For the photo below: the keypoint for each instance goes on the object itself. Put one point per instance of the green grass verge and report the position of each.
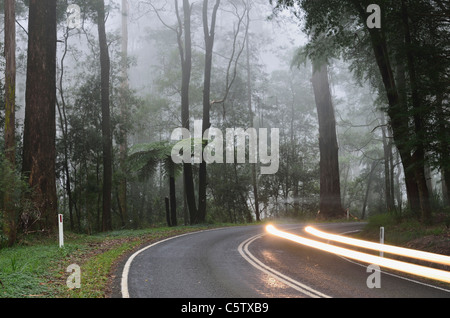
(37, 267)
(401, 230)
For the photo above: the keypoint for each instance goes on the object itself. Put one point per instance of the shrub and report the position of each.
(13, 184)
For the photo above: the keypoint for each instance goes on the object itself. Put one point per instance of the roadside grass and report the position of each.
(36, 268)
(24, 270)
(95, 273)
(407, 231)
(403, 230)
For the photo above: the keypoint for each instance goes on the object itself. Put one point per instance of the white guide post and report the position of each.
(61, 230)
(381, 239)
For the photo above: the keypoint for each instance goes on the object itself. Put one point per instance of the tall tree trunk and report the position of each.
(40, 113)
(250, 110)
(330, 192)
(443, 147)
(10, 228)
(172, 196)
(392, 169)
(444, 189)
(387, 166)
(398, 191)
(123, 130)
(10, 82)
(209, 36)
(105, 65)
(167, 205)
(401, 133)
(398, 113)
(64, 128)
(444, 150)
(185, 50)
(419, 127)
(369, 183)
(76, 178)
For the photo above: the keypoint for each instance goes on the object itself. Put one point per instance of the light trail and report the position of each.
(417, 270)
(249, 257)
(426, 256)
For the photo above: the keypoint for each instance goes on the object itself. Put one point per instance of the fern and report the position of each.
(144, 159)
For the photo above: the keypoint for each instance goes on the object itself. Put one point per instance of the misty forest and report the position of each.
(92, 92)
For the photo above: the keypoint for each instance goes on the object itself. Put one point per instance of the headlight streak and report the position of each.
(249, 257)
(425, 256)
(413, 269)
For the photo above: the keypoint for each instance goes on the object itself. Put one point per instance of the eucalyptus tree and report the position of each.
(182, 30)
(123, 109)
(400, 49)
(210, 96)
(209, 33)
(39, 137)
(361, 129)
(290, 95)
(10, 227)
(330, 205)
(85, 68)
(105, 70)
(185, 51)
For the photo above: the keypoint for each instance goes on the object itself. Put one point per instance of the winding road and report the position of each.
(246, 262)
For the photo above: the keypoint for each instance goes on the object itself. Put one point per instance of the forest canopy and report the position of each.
(94, 89)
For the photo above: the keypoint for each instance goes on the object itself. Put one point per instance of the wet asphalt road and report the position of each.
(245, 262)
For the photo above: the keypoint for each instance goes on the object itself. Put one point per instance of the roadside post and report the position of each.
(61, 230)
(381, 239)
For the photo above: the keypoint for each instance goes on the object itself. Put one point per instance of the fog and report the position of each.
(254, 83)
(279, 36)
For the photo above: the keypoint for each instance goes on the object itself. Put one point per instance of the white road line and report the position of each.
(245, 253)
(392, 274)
(388, 273)
(304, 289)
(126, 269)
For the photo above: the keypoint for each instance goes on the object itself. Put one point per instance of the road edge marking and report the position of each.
(126, 269)
(250, 258)
(412, 280)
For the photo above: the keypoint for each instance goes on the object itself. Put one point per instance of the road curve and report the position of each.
(245, 262)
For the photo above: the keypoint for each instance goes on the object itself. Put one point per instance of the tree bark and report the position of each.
(209, 36)
(167, 205)
(388, 177)
(10, 115)
(330, 193)
(250, 110)
(64, 128)
(444, 189)
(185, 50)
(172, 195)
(398, 114)
(401, 133)
(40, 113)
(105, 65)
(123, 130)
(369, 183)
(10, 82)
(419, 153)
(444, 156)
